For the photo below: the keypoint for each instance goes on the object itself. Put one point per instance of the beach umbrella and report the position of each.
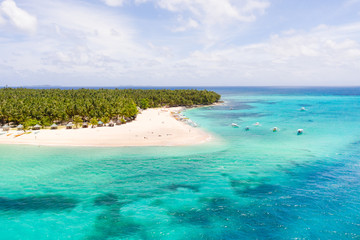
(69, 125)
(20, 127)
(36, 127)
(6, 127)
(54, 126)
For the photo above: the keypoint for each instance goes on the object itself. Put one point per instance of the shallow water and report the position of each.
(255, 184)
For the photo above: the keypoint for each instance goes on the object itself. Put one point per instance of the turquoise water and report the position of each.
(253, 184)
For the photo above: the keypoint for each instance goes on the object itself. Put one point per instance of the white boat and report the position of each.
(275, 129)
(302, 109)
(300, 131)
(234, 125)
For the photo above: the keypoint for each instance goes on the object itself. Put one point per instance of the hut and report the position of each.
(69, 125)
(6, 127)
(85, 125)
(20, 127)
(54, 127)
(100, 124)
(111, 124)
(36, 127)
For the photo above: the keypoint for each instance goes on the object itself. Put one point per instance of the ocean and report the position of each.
(245, 184)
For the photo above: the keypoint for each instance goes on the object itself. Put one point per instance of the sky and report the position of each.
(180, 42)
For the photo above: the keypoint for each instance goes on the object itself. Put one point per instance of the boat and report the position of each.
(275, 129)
(300, 131)
(302, 109)
(234, 125)
(18, 135)
(257, 124)
(247, 129)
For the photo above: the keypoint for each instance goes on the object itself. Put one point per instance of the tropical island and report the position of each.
(155, 112)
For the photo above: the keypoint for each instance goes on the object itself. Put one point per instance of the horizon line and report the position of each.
(183, 86)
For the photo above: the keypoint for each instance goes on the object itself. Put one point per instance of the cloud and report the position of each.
(18, 17)
(2, 20)
(186, 24)
(214, 21)
(326, 55)
(87, 44)
(114, 3)
(207, 12)
(75, 39)
(350, 3)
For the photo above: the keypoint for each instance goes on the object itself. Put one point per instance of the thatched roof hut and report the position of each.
(54, 126)
(100, 124)
(36, 127)
(85, 125)
(6, 127)
(111, 124)
(20, 127)
(69, 125)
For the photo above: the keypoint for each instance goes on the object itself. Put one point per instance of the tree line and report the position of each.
(47, 106)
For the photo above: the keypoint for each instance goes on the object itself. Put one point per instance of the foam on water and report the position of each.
(255, 184)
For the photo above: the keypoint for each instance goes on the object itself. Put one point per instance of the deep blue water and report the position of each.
(255, 184)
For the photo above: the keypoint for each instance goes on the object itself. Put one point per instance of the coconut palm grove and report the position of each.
(46, 106)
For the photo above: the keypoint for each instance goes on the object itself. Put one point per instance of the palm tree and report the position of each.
(93, 122)
(77, 120)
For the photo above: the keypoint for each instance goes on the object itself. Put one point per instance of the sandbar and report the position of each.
(152, 127)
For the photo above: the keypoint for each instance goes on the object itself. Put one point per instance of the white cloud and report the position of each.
(213, 12)
(2, 20)
(17, 16)
(84, 44)
(79, 40)
(114, 3)
(189, 24)
(323, 56)
(207, 12)
(350, 3)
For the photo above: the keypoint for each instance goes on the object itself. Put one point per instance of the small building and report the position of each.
(100, 124)
(111, 124)
(69, 125)
(20, 127)
(85, 125)
(6, 127)
(36, 127)
(54, 127)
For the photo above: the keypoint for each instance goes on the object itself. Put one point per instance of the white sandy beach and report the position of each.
(152, 127)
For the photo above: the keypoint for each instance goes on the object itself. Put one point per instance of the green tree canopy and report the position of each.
(46, 106)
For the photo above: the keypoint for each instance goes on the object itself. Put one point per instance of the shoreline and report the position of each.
(152, 127)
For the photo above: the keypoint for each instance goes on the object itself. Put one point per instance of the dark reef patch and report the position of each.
(110, 224)
(106, 200)
(37, 203)
(253, 187)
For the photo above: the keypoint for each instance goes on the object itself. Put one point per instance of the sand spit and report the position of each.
(152, 127)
